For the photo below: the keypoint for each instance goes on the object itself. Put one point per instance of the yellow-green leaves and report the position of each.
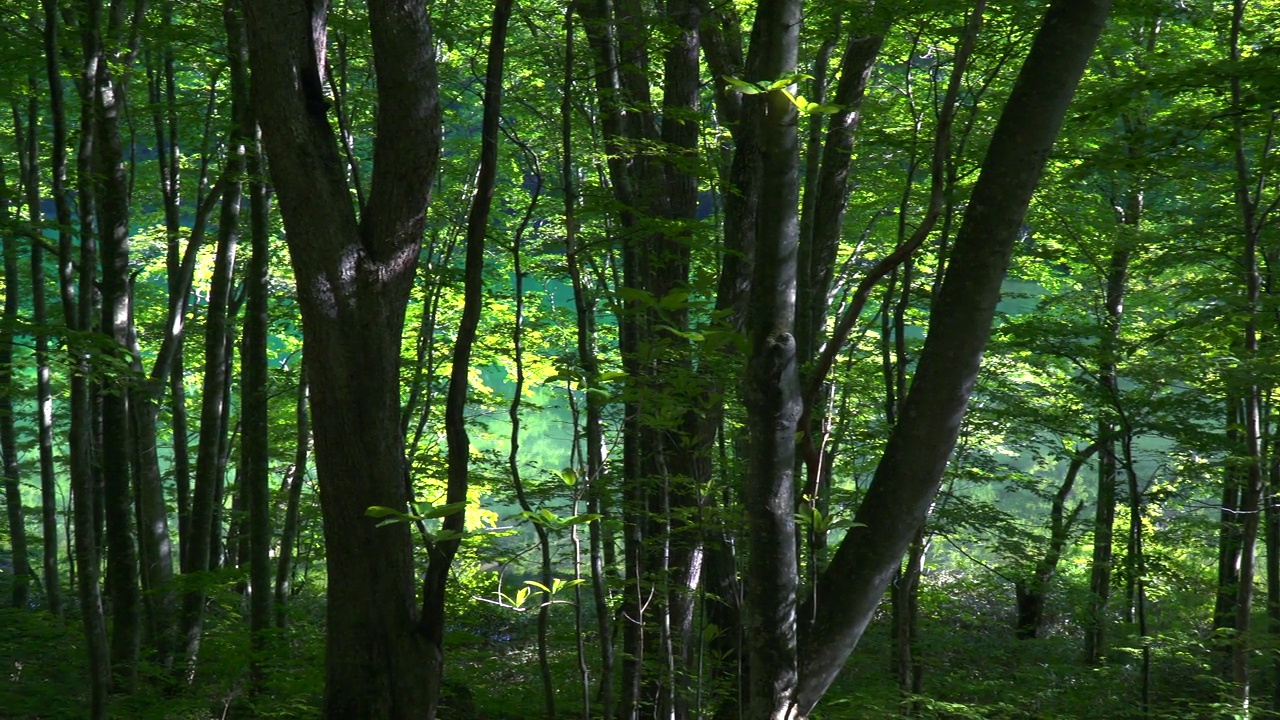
(802, 104)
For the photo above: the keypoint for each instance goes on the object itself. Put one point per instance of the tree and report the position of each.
(910, 471)
(354, 268)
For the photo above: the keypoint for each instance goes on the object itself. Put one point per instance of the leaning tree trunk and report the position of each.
(910, 470)
(354, 277)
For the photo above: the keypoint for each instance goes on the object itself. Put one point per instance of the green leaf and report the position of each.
(674, 300)
(690, 336)
(741, 86)
(570, 476)
(440, 511)
(538, 585)
(557, 585)
(583, 518)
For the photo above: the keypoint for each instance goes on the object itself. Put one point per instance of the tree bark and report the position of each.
(112, 206)
(254, 462)
(354, 278)
(584, 304)
(1098, 618)
(771, 389)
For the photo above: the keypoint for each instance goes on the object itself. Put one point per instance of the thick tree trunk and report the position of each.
(113, 222)
(910, 471)
(354, 278)
(771, 390)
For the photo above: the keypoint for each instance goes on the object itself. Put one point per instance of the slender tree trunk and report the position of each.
(66, 275)
(513, 467)
(293, 506)
(29, 156)
(1229, 526)
(585, 315)
(1272, 519)
(459, 444)
(215, 398)
(8, 434)
(1032, 594)
(76, 293)
(253, 466)
(1248, 201)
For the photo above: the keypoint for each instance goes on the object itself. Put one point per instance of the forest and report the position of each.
(679, 359)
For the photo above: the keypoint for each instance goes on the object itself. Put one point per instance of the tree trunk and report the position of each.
(62, 214)
(112, 205)
(297, 477)
(8, 435)
(29, 155)
(77, 306)
(205, 501)
(1098, 619)
(1252, 220)
(585, 316)
(771, 389)
(253, 466)
(910, 470)
(354, 278)
(1032, 594)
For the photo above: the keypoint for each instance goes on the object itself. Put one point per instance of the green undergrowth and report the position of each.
(972, 668)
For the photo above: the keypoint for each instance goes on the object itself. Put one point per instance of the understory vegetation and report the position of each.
(632, 359)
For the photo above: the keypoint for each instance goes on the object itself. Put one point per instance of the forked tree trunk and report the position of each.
(354, 277)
